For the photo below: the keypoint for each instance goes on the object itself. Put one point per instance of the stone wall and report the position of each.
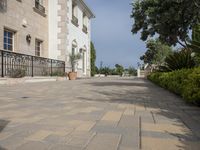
(15, 16)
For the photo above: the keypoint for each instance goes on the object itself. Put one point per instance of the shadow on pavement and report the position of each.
(3, 124)
(146, 94)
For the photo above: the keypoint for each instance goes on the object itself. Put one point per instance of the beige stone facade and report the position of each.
(23, 18)
(49, 23)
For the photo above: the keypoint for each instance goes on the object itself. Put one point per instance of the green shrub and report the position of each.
(179, 60)
(17, 73)
(184, 82)
(58, 73)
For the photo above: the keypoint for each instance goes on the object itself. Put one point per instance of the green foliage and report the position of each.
(119, 69)
(132, 71)
(58, 73)
(17, 73)
(97, 70)
(73, 60)
(195, 43)
(179, 60)
(185, 82)
(105, 70)
(171, 20)
(93, 59)
(156, 52)
(197, 59)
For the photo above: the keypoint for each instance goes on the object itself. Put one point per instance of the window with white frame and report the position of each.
(74, 47)
(75, 14)
(85, 23)
(38, 47)
(8, 40)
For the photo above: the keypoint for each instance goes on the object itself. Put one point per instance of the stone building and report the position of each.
(24, 27)
(47, 28)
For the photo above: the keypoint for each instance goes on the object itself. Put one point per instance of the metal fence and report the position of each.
(32, 65)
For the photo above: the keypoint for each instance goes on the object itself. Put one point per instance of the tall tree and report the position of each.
(93, 59)
(156, 52)
(171, 20)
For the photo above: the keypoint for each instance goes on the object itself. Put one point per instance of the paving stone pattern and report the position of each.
(96, 114)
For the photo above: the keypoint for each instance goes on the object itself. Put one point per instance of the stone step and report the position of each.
(10, 81)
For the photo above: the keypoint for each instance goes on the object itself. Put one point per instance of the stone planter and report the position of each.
(72, 75)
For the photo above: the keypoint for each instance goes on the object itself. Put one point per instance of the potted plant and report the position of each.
(73, 61)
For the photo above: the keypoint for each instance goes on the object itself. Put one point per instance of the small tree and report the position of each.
(119, 69)
(156, 52)
(74, 59)
(93, 59)
(132, 71)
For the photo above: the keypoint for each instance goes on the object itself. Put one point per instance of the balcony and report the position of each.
(39, 8)
(85, 30)
(75, 20)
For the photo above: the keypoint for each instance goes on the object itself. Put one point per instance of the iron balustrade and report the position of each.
(85, 29)
(33, 65)
(75, 20)
(39, 6)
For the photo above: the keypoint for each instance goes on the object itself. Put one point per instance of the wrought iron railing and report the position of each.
(75, 20)
(33, 65)
(85, 29)
(39, 6)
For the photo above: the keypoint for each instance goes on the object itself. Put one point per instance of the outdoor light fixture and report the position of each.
(24, 23)
(28, 38)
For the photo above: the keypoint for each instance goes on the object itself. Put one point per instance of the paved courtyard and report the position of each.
(96, 114)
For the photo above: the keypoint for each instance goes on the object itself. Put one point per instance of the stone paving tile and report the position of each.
(106, 124)
(39, 135)
(96, 114)
(33, 145)
(80, 139)
(129, 112)
(112, 116)
(64, 147)
(54, 139)
(159, 135)
(149, 143)
(86, 126)
(129, 122)
(104, 142)
(127, 140)
(12, 142)
(170, 128)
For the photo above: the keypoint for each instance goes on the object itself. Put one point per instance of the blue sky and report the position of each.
(111, 33)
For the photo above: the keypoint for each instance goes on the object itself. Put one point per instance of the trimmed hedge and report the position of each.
(184, 82)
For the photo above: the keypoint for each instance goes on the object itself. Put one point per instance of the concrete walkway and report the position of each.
(96, 114)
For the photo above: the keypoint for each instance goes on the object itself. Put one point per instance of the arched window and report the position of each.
(74, 9)
(85, 23)
(75, 14)
(74, 47)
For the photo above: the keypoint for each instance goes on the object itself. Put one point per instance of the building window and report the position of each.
(75, 14)
(85, 23)
(38, 47)
(8, 40)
